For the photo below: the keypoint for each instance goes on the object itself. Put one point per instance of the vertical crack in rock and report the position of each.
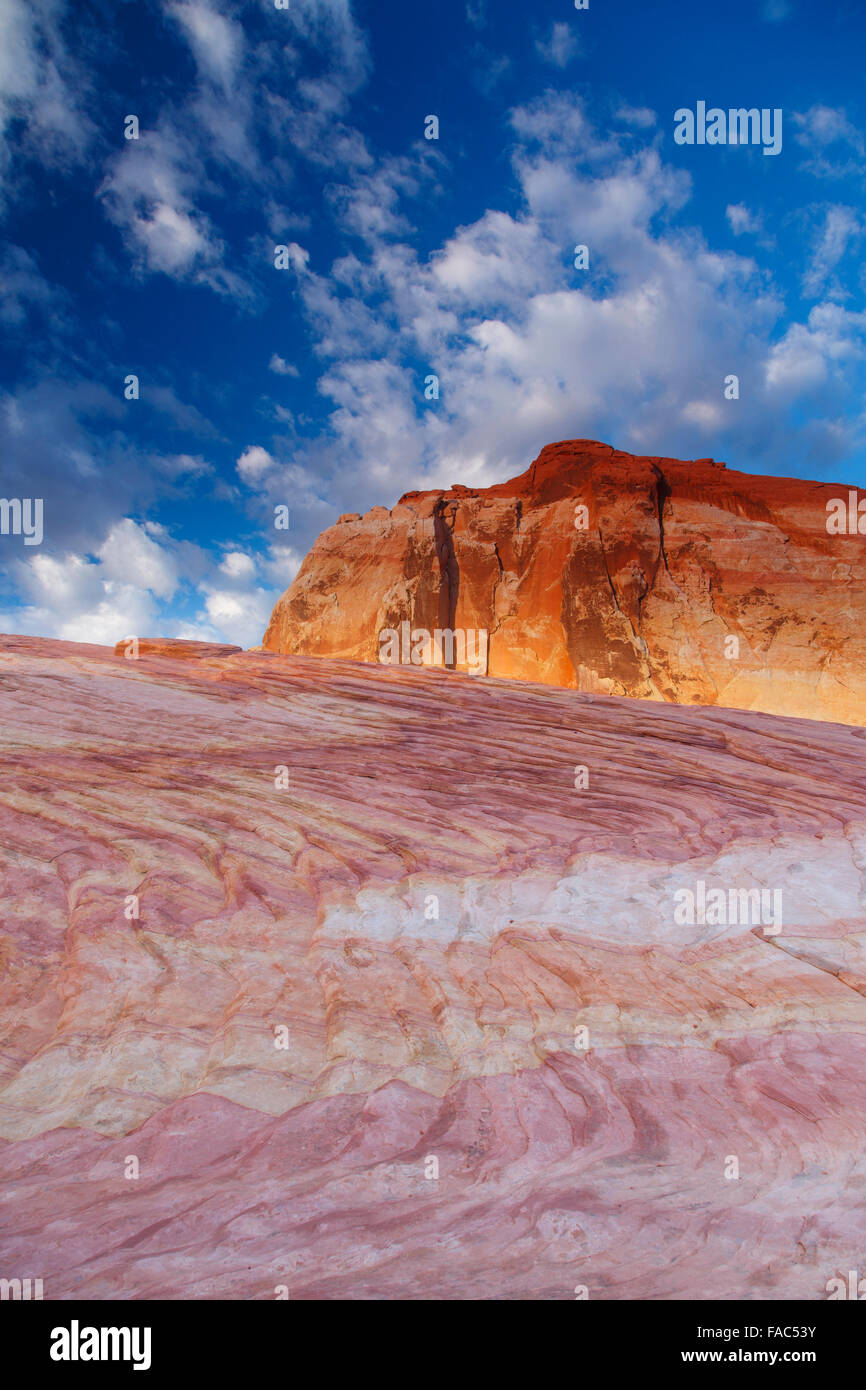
(496, 623)
(616, 601)
(663, 492)
(449, 570)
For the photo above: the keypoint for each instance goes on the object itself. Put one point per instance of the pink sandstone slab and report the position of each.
(509, 1070)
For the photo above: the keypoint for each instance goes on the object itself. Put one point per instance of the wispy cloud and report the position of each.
(561, 45)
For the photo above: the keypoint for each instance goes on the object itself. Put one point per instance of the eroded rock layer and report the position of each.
(382, 978)
(681, 581)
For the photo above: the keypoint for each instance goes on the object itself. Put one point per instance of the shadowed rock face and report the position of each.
(429, 916)
(675, 559)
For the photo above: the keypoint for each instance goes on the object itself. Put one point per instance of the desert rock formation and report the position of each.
(669, 562)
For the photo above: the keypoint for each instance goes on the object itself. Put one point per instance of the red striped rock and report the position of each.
(511, 1067)
(133, 648)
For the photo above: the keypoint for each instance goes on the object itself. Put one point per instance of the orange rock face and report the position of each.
(602, 571)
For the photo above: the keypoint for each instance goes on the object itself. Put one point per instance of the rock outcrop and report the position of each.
(135, 647)
(681, 581)
(366, 982)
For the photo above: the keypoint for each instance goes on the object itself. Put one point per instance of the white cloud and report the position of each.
(560, 46)
(206, 146)
(528, 349)
(254, 462)
(133, 584)
(827, 128)
(808, 353)
(496, 258)
(839, 232)
(282, 367)
(706, 414)
(216, 41)
(243, 617)
(149, 192)
(744, 222)
(280, 565)
(99, 601)
(238, 565)
(237, 604)
(640, 116)
(129, 556)
(741, 219)
(299, 258)
(825, 125)
(170, 238)
(43, 88)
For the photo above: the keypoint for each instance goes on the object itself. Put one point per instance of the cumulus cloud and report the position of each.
(100, 599)
(139, 582)
(528, 349)
(238, 565)
(826, 125)
(130, 555)
(809, 354)
(240, 617)
(254, 462)
(239, 597)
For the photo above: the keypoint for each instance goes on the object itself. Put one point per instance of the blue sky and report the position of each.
(304, 387)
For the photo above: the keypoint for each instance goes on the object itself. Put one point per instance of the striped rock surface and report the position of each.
(379, 980)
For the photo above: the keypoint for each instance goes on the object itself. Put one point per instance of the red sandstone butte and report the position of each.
(423, 1022)
(676, 558)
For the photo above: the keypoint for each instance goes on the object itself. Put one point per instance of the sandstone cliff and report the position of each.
(641, 594)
